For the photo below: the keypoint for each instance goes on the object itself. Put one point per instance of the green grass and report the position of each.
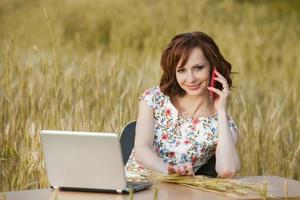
(81, 65)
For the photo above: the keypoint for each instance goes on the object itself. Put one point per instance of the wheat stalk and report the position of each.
(228, 187)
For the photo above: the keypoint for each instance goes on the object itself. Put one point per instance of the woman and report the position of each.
(183, 122)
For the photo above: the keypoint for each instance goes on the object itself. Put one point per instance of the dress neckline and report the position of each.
(188, 117)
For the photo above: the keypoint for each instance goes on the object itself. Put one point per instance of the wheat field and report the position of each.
(81, 65)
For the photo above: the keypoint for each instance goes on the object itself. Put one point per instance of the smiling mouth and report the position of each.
(193, 87)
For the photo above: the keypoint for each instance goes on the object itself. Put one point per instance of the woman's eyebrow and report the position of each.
(195, 65)
(179, 67)
(201, 64)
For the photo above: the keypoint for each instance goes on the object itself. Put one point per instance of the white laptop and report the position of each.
(86, 161)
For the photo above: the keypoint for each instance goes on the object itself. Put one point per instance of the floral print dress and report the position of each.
(179, 139)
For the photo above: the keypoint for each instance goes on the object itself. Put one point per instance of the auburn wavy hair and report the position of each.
(179, 49)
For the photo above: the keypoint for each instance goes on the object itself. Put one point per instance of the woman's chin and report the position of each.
(197, 92)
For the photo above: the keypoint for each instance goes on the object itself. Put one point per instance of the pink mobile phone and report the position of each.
(213, 84)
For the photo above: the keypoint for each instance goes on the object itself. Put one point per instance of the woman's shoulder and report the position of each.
(152, 96)
(153, 92)
(232, 123)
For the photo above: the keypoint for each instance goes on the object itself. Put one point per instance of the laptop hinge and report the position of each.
(119, 191)
(54, 187)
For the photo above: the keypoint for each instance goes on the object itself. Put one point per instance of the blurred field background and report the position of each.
(81, 65)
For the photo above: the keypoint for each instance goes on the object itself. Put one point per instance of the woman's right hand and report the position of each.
(184, 169)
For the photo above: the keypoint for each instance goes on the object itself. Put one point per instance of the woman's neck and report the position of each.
(195, 106)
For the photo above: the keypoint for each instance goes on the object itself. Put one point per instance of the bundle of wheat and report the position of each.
(228, 187)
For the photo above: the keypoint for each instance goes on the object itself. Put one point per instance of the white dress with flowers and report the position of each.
(179, 139)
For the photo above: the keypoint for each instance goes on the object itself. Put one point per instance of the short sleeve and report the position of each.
(150, 97)
(232, 125)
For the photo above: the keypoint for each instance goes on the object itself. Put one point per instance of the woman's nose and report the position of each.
(191, 77)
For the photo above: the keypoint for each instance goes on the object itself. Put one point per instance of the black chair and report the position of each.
(127, 140)
(127, 144)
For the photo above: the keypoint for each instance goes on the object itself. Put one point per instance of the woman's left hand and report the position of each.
(182, 169)
(221, 102)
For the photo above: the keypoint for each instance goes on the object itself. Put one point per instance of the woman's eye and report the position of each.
(199, 67)
(180, 70)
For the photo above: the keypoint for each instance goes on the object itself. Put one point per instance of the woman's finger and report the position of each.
(223, 82)
(189, 172)
(187, 169)
(190, 168)
(220, 75)
(171, 169)
(215, 90)
(183, 169)
(178, 170)
(225, 89)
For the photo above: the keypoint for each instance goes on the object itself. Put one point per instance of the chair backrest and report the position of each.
(127, 144)
(127, 140)
(208, 169)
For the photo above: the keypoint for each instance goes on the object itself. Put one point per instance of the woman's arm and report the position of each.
(144, 137)
(227, 158)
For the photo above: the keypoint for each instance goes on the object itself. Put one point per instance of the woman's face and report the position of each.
(194, 76)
